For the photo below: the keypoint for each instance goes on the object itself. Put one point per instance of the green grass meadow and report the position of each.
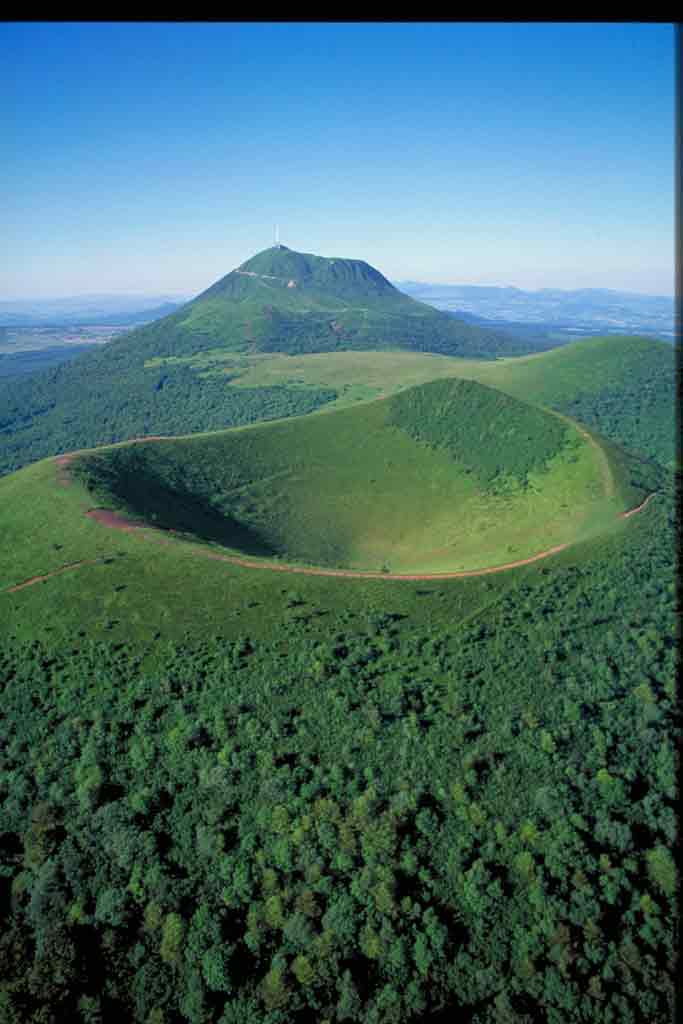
(141, 589)
(145, 585)
(355, 491)
(544, 377)
(623, 387)
(394, 512)
(389, 504)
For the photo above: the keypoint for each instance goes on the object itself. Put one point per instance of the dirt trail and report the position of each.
(632, 512)
(48, 575)
(605, 471)
(112, 520)
(63, 477)
(108, 518)
(351, 574)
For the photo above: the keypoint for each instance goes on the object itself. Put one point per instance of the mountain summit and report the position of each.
(270, 272)
(335, 276)
(147, 381)
(294, 302)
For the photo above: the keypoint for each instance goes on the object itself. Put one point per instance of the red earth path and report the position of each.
(111, 519)
(48, 575)
(114, 521)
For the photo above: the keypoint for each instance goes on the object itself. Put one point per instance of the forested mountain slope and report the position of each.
(390, 803)
(624, 387)
(278, 301)
(286, 301)
(106, 396)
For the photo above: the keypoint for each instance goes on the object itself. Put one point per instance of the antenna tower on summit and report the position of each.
(277, 237)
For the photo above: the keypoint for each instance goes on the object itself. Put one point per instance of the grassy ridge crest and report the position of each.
(491, 434)
(355, 489)
(623, 387)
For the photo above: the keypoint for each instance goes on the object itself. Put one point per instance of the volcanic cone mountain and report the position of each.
(142, 382)
(286, 301)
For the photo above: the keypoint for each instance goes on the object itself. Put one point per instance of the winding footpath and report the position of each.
(632, 512)
(49, 575)
(112, 520)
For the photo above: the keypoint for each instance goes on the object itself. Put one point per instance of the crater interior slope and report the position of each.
(448, 476)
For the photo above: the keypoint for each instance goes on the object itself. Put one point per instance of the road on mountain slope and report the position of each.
(291, 283)
(632, 512)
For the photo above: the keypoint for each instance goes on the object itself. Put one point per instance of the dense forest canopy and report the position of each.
(624, 387)
(482, 428)
(101, 398)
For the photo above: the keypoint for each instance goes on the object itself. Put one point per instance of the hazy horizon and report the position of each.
(155, 157)
(187, 295)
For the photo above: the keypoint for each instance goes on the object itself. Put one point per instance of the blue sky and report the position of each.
(157, 157)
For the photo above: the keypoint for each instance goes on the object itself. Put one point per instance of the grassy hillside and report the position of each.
(293, 302)
(359, 488)
(356, 376)
(232, 796)
(625, 388)
(135, 588)
(278, 301)
(395, 821)
(239, 489)
(491, 436)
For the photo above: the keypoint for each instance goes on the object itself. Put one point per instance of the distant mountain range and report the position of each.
(581, 311)
(110, 310)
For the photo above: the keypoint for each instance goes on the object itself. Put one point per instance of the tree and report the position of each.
(303, 970)
(662, 870)
(172, 939)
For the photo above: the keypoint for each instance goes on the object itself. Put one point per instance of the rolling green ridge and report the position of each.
(623, 387)
(491, 436)
(134, 589)
(113, 393)
(258, 490)
(359, 488)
